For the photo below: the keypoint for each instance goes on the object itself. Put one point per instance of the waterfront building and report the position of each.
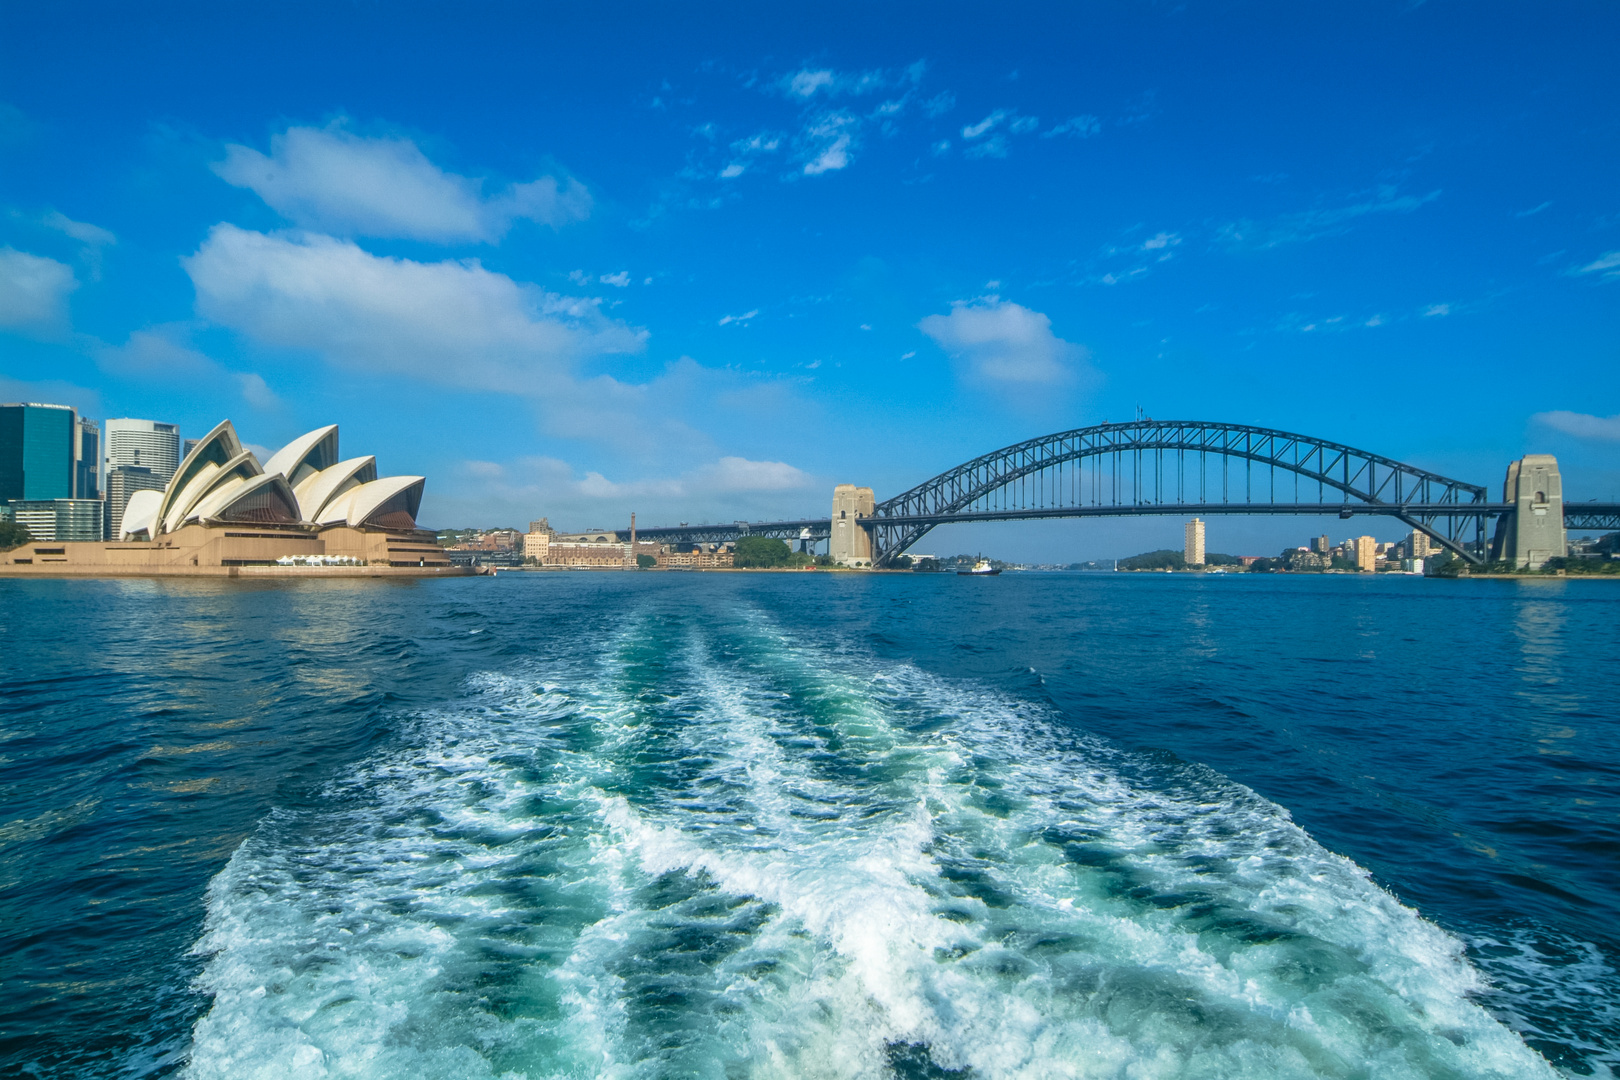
(598, 549)
(145, 444)
(537, 546)
(1366, 553)
(60, 520)
(699, 557)
(222, 512)
(1193, 549)
(1417, 545)
(850, 544)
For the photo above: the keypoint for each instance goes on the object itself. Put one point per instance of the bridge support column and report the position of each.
(1533, 531)
(851, 544)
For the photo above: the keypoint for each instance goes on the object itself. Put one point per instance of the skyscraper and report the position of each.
(87, 459)
(38, 452)
(146, 443)
(1366, 554)
(1194, 548)
(50, 471)
(141, 455)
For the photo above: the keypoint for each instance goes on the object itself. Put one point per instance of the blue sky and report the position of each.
(703, 262)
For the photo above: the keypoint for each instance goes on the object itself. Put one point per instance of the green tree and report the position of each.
(13, 535)
(760, 551)
(1163, 559)
(646, 562)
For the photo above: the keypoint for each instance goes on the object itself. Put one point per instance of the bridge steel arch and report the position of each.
(1164, 467)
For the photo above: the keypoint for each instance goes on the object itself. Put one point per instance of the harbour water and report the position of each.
(728, 825)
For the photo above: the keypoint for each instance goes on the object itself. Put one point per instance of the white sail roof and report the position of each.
(391, 502)
(216, 493)
(195, 474)
(140, 515)
(318, 489)
(306, 455)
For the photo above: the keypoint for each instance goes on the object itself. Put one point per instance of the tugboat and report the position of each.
(982, 568)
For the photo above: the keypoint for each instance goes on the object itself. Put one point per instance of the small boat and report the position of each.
(982, 568)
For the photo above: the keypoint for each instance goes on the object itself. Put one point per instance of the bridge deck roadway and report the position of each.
(1591, 516)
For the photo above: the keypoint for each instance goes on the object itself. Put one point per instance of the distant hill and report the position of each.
(1168, 559)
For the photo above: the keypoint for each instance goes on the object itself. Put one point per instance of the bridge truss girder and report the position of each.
(1048, 475)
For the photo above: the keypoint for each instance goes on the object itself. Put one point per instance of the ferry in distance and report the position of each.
(982, 568)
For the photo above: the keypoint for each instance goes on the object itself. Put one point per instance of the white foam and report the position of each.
(790, 860)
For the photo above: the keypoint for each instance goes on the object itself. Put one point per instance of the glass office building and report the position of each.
(39, 452)
(50, 471)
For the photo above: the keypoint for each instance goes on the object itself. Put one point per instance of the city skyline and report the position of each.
(714, 272)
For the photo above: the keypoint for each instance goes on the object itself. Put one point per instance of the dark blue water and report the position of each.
(819, 825)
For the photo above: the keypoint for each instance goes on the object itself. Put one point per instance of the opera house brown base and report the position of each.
(240, 550)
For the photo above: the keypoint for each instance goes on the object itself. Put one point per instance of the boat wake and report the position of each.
(718, 850)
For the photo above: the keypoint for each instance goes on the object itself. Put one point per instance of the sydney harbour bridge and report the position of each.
(1189, 469)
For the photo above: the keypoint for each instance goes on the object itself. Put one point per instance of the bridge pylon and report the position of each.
(851, 543)
(1533, 530)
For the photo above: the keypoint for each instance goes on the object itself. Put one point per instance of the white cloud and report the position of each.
(34, 291)
(451, 322)
(1328, 221)
(256, 392)
(1006, 343)
(988, 138)
(1436, 311)
(985, 126)
(828, 141)
(1080, 127)
(160, 352)
(744, 317)
(940, 104)
(727, 476)
(82, 231)
(619, 281)
(1607, 264)
(1581, 425)
(1160, 241)
(336, 181)
(732, 171)
(807, 83)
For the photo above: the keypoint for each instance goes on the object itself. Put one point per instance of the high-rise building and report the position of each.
(122, 482)
(38, 452)
(87, 459)
(187, 447)
(1193, 550)
(145, 444)
(1366, 554)
(1322, 545)
(1417, 545)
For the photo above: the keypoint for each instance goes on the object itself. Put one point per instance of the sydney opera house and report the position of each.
(306, 510)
